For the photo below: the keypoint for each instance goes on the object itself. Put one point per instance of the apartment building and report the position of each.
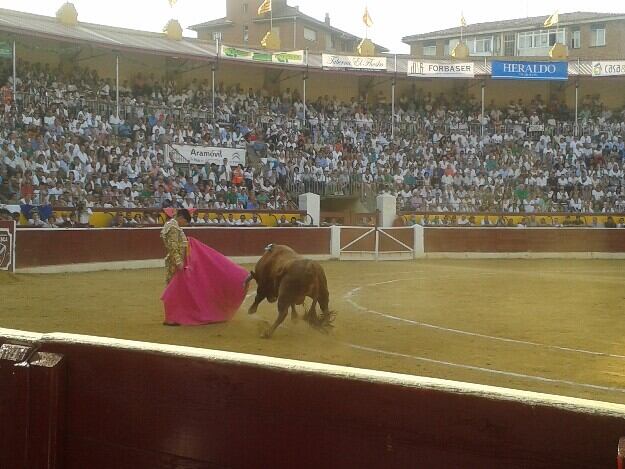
(588, 36)
(242, 26)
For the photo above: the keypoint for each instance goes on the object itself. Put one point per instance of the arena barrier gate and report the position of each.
(76, 402)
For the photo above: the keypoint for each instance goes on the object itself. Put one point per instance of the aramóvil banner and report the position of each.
(201, 155)
(507, 70)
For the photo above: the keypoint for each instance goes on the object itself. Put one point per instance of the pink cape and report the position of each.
(210, 289)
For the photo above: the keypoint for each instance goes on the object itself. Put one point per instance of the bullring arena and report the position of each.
(466, 202)
(422, 318)
(544, 323)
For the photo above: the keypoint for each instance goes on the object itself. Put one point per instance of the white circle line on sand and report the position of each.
(450, 364)
(348, 297)
(486, 370)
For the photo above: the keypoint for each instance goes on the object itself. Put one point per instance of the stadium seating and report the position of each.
(62, 146)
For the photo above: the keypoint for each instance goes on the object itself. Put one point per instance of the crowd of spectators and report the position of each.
(530, 221)
(62, 144)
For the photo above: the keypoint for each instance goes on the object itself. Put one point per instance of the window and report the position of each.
(597, 36)
(246, 34)
(451, 44)
(217, 36)
(529, 41)
(525, 41)
(310, 35)
(244, 7)
(509, 42)
(331, 42)
(480, 45)
(429, 48)
(576, 39)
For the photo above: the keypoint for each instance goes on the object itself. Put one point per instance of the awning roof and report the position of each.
(112, 38)
(104, 36)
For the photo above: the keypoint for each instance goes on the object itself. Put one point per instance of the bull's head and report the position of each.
(269, 247)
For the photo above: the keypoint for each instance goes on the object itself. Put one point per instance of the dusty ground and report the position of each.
(547, 326)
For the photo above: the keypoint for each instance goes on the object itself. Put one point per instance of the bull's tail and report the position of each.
(249, 278)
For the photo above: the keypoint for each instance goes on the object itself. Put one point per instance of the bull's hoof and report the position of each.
(265, 335)
(251, 311)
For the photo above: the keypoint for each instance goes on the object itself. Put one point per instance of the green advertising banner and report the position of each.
(6, 50)
(287, 58)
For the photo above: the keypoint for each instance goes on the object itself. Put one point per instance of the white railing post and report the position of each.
(335, 242)
(419, 244)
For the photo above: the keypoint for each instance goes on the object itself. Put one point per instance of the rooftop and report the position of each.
(516, 24)
(48, 27)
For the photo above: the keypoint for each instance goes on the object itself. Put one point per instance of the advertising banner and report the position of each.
(432, 69)
(7, 246)
(201, 155)
(286, 58)
(353, 62)
(6, 50)
(507, 70)
(608, 68)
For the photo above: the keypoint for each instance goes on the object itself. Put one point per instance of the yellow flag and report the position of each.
(366, 18)
(552, 20)
(172, 2)
(265, 7)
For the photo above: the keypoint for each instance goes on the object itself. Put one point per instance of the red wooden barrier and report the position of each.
(507, 240)
(37, 248)
(31, 407)
(132, 405)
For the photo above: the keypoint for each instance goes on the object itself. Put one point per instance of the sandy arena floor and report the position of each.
(547, 326)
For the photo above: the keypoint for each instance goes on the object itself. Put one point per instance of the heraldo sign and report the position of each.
(505, 70)
(201, 155)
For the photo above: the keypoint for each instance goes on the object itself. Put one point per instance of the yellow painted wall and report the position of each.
(343, 86)
(105, 219)
(516, 218)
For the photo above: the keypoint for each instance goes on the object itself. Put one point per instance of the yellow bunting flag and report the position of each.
(463, 22)
(366, 18)
(172, 2)
(552, 20)
(265, 7)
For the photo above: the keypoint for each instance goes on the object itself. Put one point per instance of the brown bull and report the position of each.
(284, 276)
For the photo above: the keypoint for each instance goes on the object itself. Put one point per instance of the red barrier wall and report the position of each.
(524, 240)
(37, 248)
(127, 407)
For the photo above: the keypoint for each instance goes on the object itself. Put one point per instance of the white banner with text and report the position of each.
(353, 62)
(432, 69)
(201, 155)
(608, 68)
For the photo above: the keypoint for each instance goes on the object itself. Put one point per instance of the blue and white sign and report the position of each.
(505, 70)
